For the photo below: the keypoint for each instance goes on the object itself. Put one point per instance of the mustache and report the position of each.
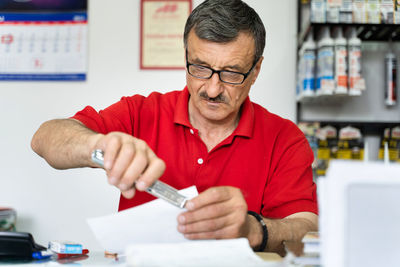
(218, 99)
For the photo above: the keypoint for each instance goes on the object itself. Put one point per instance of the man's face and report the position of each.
(212, 99)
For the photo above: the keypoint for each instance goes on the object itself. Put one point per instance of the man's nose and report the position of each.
(214, 86)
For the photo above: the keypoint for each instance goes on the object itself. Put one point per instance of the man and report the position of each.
(241, 157)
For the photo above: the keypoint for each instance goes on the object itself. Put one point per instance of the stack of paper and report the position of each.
(306, 253)
(311, 243)
(147, 235)
(229, 253)
(152, 222)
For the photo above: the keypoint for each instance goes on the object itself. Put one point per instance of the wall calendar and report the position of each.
(43, 41)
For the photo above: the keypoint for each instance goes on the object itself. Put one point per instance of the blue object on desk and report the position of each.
(18, 245)
(41, 255)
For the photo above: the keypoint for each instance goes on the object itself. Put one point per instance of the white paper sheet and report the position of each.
(229, 253)
(152, 222)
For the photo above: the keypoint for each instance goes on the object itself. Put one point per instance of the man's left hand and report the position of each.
(217, 213)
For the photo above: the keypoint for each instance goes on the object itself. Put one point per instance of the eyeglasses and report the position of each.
(226, 76)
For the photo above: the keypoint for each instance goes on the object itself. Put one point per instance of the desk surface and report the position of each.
(269, 256)
(98, 259)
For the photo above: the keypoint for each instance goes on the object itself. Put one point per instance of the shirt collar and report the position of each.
(246, 122)
(181, 115)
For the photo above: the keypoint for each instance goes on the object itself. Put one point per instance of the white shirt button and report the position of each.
(191, 131)
(200, 161)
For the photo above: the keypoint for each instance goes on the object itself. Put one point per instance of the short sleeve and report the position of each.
(290, 187)
(117, 117)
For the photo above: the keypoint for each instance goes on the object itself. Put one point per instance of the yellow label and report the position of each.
(344, 154)
(323, 153)
(381, 153)
(358, 156)
(321, 172)
(393, 154)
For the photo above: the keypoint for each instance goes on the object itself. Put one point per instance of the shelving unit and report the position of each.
(366, 32)
(367, 112)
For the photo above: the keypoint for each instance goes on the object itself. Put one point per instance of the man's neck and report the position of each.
(213, 132)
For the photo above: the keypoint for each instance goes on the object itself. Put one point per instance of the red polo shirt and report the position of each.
(267, 157)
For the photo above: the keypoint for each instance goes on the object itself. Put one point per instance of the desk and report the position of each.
(269, 256)
(98, 259)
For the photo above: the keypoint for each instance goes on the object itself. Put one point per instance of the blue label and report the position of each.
(43, 77)
(308, 84)
(73, 249)
(327, 78)
(18, 17)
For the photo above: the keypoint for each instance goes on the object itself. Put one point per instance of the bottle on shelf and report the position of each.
(346, 11)
(373, 11)
(396, 11)
(341, 79)
(356, 82)
(307, 62)
(387, 11)
(359, 11)
(394, 144)
(390, 78)
(318, 11)
(350, 144)
(325, 64)
(327, 148)
(332, 11)
(384, 140)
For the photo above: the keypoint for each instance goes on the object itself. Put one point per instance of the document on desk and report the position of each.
(228, 252)
(152, 222)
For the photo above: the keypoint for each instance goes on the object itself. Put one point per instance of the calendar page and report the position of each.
(43, 45)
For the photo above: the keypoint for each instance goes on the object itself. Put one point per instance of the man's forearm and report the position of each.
(288, 229)
(291, 228)
(64, 143)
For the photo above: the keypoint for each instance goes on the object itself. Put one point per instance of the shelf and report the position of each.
(368, 112)
(334, 98)
(366, 32)
(369, 106)
(367, 127)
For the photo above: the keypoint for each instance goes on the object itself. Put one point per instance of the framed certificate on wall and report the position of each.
(161, 29)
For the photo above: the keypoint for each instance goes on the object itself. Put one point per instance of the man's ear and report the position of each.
(257, 69)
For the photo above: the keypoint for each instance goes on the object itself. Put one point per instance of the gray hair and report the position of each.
(221, 21)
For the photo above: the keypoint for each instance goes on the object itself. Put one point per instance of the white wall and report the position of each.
(54, 205)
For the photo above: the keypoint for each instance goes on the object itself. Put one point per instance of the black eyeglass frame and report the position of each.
(245, 75)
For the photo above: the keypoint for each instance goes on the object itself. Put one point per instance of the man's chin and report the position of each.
(214, 116)
(214, 106)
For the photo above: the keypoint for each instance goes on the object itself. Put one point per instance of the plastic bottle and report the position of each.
(390, 79)
(373, 11)
(332, 11)
(318, 11)
(356, 82)
(346, 11)
(298, 78)
(325, 64)
(341, 78)
(359, 11)
(307, 68)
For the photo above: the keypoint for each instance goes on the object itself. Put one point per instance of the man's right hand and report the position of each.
(129, 162)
